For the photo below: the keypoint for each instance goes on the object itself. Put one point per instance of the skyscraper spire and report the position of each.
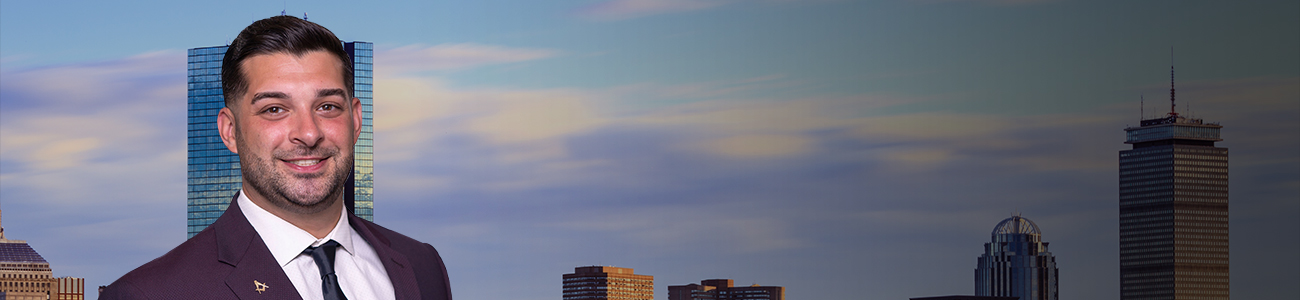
(1172, 111)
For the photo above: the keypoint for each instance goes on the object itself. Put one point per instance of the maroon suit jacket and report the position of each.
(224, 260)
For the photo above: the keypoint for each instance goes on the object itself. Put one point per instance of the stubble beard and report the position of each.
(308, 198)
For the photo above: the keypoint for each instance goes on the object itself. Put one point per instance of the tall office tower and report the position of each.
(1173, 210)
(723, 289)
(214, 173)
(1016, 263)
(612, 283)
(24, 274)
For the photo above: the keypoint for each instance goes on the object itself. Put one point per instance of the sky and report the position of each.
(841, 149)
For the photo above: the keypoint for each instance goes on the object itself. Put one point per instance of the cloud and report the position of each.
(628, 9)
(421, 58)
(760, 145)
(70, 115)
(100, 146)
(93, 85)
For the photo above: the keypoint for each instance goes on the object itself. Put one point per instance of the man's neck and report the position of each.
(318, 224)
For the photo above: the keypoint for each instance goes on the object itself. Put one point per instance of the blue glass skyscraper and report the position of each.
(213, 171)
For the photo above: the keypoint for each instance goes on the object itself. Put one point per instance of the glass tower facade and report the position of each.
(213, 174)
(213, 171)
(1173, 205)
(362, 198)
(1016, 263)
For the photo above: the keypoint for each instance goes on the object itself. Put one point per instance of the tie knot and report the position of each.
(324, 256)
(327, 246)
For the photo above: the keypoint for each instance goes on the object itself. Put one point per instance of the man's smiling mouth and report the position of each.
(306, 162)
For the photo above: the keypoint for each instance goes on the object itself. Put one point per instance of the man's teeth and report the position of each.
(306, 162)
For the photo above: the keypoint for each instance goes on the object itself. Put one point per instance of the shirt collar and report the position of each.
(285, 240)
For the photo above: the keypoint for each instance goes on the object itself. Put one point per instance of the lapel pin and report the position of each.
(259, 287)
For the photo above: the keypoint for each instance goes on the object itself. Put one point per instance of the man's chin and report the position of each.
(309, 198)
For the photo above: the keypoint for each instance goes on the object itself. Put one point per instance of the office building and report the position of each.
(69, 288)
(1016, 263)
(213, 171)
(724, 289)
(1173, 210)
(24, 274)
(612, 283)
(964, 297)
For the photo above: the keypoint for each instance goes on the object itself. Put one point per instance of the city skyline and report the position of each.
(851, 146)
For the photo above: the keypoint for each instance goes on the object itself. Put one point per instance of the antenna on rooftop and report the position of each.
(1142, 106)
(1172, 111)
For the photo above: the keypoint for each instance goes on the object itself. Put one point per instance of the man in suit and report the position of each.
(291, 116)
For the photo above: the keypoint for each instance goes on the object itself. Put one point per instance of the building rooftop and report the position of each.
(1016, 225)
(19, 252)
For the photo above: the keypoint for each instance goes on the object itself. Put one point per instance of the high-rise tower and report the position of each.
(1173, 210)
(1016, 263)
(214, 174)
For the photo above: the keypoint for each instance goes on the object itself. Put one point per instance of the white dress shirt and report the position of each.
(361, 273)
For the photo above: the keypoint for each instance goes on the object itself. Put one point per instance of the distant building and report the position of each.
(1173, 210)
(70, 288)
(24, 274)
(724, 289)
(962, 297)
(1016, 263)
(612, 283)
(214, 175)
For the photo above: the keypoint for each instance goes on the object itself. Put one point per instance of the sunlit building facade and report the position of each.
(1173, 211)
(1016, 263)
(69, 288)
(213, 175)
(608, 283)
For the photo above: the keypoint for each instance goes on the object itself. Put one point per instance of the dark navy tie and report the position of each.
(324, 257)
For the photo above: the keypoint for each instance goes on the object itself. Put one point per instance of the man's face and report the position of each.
(294, 129)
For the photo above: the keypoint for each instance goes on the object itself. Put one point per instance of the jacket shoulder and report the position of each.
(430, 272)
(190, 267)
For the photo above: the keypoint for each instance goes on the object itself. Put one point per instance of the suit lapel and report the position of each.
(239, 246)
(395, 263)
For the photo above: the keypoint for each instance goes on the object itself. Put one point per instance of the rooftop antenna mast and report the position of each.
(1172, 112)
(1142, 106)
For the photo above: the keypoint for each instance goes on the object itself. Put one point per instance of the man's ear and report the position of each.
(226, 128)
(356, 120)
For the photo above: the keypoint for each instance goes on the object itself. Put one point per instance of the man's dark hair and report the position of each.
(278, 34)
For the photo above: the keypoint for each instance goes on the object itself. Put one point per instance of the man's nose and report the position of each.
(306, 129)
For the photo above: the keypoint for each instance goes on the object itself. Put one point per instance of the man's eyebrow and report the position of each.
(264, 95)
(331, 92)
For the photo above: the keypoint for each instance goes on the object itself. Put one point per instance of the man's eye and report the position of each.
(273, 110)
(329, 107)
